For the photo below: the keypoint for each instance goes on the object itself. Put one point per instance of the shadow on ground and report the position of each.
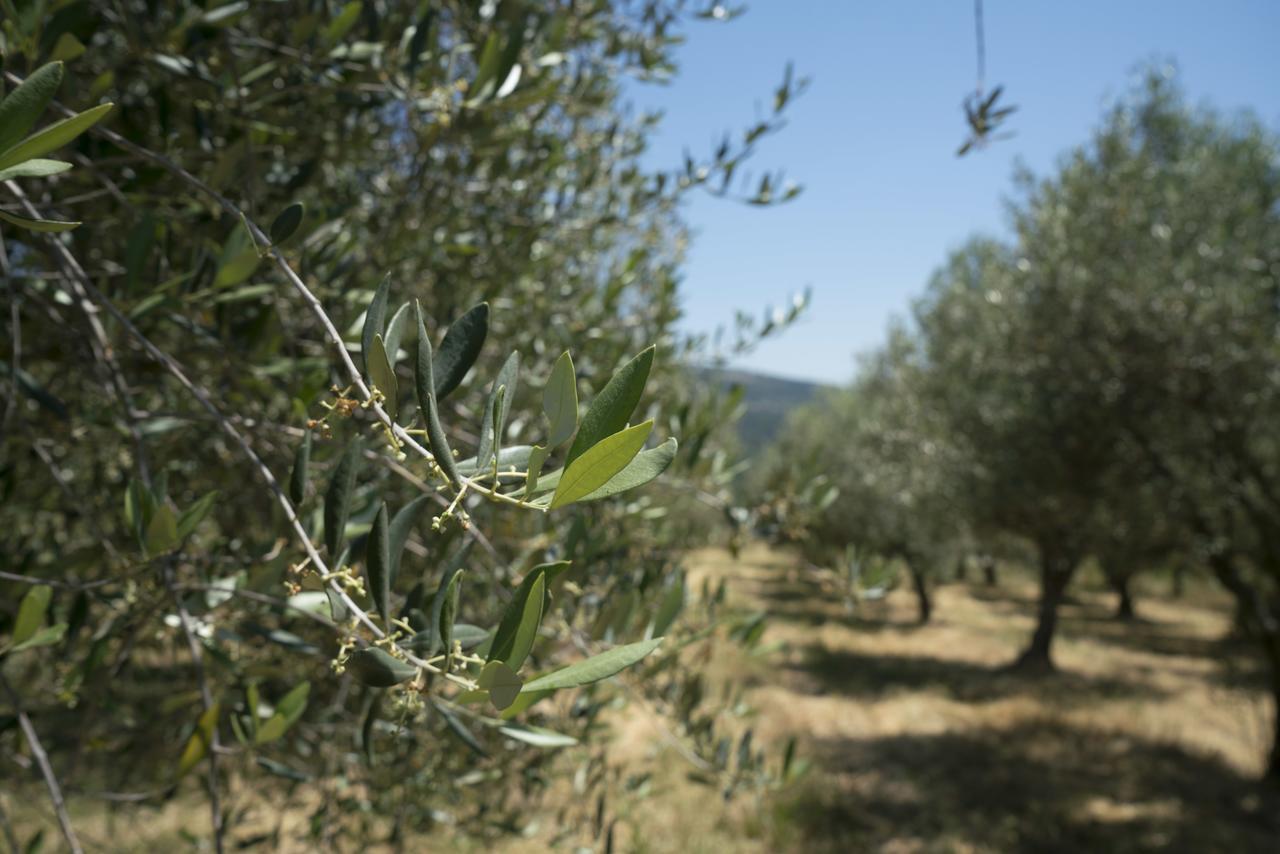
(872, 676)
(805, 601)
(1035, 787)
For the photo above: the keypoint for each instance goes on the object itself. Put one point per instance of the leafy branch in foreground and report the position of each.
(21, 151)
(418, 646)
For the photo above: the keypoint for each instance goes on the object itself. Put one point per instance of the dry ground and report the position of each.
(1147, 740)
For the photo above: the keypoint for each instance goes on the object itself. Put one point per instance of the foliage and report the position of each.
(889, 465)
(227, 434)
(1102, 386)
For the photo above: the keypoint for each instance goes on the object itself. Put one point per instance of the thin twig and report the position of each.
(261, 238)
(69, 262)
(42, 759)
(206, 699)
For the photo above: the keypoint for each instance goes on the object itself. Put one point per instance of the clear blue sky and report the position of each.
(873, 140)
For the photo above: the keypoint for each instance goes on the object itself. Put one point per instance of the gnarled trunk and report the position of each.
(1124, 597)
(1056, 569)
(1124, 608)
(1257, 618)
(989, 570)
(923, 603)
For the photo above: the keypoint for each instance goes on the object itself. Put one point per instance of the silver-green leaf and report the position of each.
(599, 464)
(560, 401)
(594, 669)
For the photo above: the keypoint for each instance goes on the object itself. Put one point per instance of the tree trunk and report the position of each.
(1124, 605)
(989, 570)
(1124, 608)
(962, 569)
(1272, 774)
(1055, 573)
(1179, 580)
(923, 602)
(1257, 619)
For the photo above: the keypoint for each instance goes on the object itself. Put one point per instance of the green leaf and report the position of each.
(599, 464)
(496, 408)
(537, 736)
(67, 48)
(279, 769)
(501, 682)
(43, 225)
(54, 136)
(537, 457)
(343, 21)
(201, 740)
(396, 327)
(444, 610)
(378, 669)
(374, 318)
(31, 612)
(487, 65)
(287, 712)
(252, 701)
(337, 499)
(287, 222)
(458, 728)
(239, 260)
(377, 563)
(162, 531)
(383, 376)
(45, 637)
(36, 168)
(460, 349)
(425, 378)
(464, 634)
(560, 401)
(195, 514)
(298, 477)
(401, 526)
(237, 729)
(510, 458)
(469, 636)
(646, 466)
(523, 609)
(137, 506)
(523, 703)
(530, 620)
(670, 607)
(366, 728)
(612, 408)
(497, 412)
(595, 668)
(22, 107)
(225, 15)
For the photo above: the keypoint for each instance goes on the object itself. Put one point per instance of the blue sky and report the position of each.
(874, 139)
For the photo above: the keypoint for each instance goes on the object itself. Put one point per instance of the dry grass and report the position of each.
(1147, 739)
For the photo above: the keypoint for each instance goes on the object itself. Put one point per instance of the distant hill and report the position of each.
(768, 401)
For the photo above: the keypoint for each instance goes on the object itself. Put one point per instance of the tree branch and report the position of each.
(42, 759)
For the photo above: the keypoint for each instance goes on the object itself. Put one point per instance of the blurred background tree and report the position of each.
(1099, 388)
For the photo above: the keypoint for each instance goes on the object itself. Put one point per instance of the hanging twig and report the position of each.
(979, 108)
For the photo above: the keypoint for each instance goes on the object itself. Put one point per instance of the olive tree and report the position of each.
(890, 468)
(296, 480)
(1112, 372)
